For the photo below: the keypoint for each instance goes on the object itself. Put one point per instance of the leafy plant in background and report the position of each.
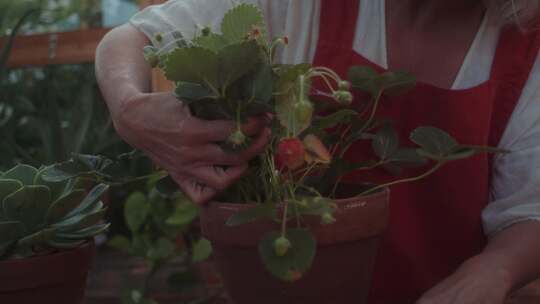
(232, 75)
(161, 230)
(39, 216)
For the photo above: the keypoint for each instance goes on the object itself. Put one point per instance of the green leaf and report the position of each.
(397, 83)
(10, 231)
(194, 64)
(65, 205)
(250, 215)
(213, 70)
(437, 143)
(38, 238)
(385, 143)
(461, 153)
(120, 242)
(260, 86)
(28, 205)
(202, 249)
(162, 249)
(184, 281)
(214, 42)
(298, 259)
(343, 116)
(236, 60)
(240, 21)
(136, 211)
(23, 173)
(185, 212)
(365, 78)
(187, 91)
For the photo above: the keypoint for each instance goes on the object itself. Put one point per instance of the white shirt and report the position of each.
(515, 193)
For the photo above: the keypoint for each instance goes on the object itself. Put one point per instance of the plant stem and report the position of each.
(406, 180)
(368, 122)
(284, 218)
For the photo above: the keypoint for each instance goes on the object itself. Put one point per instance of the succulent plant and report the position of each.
(38, 215)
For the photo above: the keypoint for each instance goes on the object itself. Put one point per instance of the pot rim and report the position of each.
(39, 271)
(384, 192)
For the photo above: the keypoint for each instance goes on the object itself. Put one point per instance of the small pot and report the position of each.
(343, 265)
(58, 278)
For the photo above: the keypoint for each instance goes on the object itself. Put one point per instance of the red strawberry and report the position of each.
(290, 154)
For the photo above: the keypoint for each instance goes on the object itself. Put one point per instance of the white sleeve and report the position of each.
(515, 189)
(188, 16)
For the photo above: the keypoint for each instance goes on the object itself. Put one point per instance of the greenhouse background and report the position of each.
(51, 110)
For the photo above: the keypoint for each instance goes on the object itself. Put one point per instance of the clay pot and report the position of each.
(58, 278)
(341, 272)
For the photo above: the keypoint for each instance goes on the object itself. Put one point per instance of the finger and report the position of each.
(205, 131)
(254, 125)
(258, 145)
(198, 193)
(218, 178)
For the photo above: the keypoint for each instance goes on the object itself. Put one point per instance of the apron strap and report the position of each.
(515, 57)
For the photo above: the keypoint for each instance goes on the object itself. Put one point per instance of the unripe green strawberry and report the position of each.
(281, 246)
(343, 96)
(158, 37)
(206, 31)
(237, 138)
(303, 111)
(327, 219)
(344, 85)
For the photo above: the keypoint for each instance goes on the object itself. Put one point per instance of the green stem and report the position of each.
(366, 125)
(284, 218)
(406, 180)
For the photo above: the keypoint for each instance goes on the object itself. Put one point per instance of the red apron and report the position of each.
(435, 224)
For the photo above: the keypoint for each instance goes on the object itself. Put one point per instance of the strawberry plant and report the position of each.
(232, 74)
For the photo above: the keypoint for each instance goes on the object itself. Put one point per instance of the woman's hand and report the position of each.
(478, 281)
(163, 128)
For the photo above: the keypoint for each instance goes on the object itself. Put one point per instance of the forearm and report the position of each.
(121, 69)
(514, 254)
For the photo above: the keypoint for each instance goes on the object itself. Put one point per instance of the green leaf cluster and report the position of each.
(38, 215)
(157, 223)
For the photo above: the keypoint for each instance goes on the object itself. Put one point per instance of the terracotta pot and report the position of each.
(341, 272)
(58, 278)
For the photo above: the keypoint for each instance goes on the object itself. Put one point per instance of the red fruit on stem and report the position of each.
(290, 154)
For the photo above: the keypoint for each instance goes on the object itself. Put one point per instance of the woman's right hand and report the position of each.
(185, 146)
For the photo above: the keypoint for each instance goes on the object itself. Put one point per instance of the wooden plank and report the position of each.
(55, 48)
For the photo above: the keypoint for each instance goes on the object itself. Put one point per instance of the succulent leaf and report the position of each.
(10, 232)
(38, 238)
(81, 221)
(85, 233)
(64, 205)
(56, 188)
(23, 173)
(65, 244)
(93, 196)
(28, 205)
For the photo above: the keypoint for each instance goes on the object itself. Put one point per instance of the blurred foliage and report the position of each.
(55, 15)
(48, 113)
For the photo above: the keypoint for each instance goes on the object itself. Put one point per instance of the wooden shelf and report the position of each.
(55, 48)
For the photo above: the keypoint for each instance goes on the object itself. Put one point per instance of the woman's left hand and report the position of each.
(478, 281)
